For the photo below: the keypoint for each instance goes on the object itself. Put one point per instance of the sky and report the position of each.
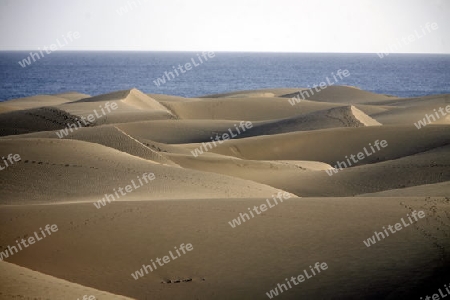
(360, 26)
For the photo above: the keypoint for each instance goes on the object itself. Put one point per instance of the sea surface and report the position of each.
(94, 73)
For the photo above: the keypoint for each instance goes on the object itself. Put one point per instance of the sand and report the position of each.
(193, 198)
(41, 286)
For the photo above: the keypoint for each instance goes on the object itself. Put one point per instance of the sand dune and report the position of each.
(132, 105)
(371, 110)
(110, 136)
(68, 170)
(72, 96)
(412, 115)
(290, 149)
(179, 131)
(363, 118)
(246, 108)
(308, 178)
(34, 120)
(415, 101)
(436, 190)
(40, 286)
(271, 104)
(331, 145)
(5, 108)
(254, 93)
(169, 98)
(344, 116)
(342, 94)
(243, 262)
(35, 102)
(133, 97)
(43, 113)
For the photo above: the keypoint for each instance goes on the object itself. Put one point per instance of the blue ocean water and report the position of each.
(404, 75)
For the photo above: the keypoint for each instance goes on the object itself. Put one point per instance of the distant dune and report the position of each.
(342, 94)
(210, 173)
(344, 116)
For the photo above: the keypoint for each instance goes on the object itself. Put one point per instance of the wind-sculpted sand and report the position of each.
(209, 173)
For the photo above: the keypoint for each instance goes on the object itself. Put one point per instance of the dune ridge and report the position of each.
(41, 286)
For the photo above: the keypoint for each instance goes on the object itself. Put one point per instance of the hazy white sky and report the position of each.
(226, 25)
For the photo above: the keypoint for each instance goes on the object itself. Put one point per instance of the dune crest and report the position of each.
(141, 101)
(340, 94)
(132, 97)
(363, 118)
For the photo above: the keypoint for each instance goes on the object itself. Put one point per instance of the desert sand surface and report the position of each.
(213, 158)
(41, 286)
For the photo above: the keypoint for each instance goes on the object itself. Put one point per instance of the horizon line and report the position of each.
(225, 51)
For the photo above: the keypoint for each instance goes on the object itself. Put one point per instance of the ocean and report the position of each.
(93, 73)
